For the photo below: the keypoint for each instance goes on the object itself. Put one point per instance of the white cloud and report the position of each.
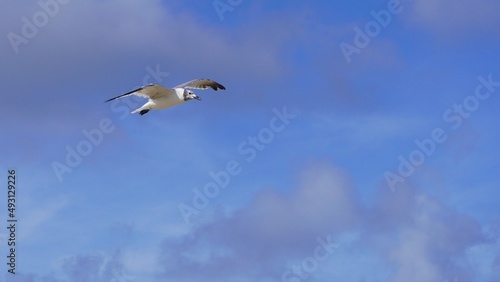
(277, 225)
(113, 33)
(92, 50)
(409, 232)
(429, 240)
(414, 235)
(456, 17)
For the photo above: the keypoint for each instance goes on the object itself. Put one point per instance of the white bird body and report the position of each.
(164, 102)
(161, 97)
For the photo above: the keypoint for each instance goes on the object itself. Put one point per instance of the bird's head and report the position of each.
(189, 95)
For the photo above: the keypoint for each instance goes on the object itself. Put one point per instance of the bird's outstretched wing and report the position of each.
(201, 84)
(150, 91)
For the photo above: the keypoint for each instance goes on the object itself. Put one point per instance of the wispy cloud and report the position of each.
(448, 18)
(413, 233)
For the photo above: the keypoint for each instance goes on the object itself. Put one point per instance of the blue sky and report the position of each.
(374, 163)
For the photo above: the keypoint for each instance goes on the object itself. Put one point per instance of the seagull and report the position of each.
(161, 97)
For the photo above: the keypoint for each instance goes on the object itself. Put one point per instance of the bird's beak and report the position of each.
(198, 98)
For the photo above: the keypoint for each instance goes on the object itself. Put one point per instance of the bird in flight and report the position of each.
(161, 97)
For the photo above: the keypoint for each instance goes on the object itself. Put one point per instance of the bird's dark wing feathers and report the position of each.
(201, 84)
